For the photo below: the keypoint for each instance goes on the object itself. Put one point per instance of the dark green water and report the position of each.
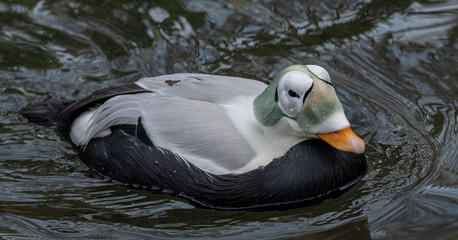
(394, 64)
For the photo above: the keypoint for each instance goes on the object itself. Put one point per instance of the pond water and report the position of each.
(394, 65)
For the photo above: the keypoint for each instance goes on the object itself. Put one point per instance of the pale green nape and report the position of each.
(310, 117)
(321, 104)
(266, 110)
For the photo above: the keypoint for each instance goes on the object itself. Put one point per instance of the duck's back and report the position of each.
(204, 87)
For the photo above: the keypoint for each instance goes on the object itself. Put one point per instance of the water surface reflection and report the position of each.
(393, 64)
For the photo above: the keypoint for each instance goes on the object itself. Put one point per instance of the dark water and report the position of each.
(394, 64)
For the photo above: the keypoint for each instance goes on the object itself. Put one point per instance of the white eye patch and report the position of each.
(291, 91)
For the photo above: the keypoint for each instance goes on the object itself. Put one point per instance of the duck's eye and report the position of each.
(293, 94)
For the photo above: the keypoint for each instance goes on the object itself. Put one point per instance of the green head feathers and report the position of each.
(304, 94)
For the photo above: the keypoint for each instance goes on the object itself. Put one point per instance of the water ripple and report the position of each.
(393, 64)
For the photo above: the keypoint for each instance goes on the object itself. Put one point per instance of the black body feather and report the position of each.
(310, 171)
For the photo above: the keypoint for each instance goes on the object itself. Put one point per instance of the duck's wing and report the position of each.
(209, 88)
(188, 114)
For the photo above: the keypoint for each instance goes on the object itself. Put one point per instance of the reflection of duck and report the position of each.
(222, 142)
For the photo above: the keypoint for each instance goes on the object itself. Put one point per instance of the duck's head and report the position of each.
(305, 94)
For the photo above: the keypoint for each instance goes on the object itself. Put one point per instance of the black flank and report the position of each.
(309, 172)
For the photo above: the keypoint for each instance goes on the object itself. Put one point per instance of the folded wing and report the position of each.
(184, 113)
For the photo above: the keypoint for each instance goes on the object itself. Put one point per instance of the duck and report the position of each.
(218, 141)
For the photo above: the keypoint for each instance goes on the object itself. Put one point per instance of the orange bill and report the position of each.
(345, 140)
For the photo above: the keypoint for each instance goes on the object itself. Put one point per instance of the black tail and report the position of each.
(61, 113)
(44, 113)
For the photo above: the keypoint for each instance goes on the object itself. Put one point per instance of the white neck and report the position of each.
(285, 134)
